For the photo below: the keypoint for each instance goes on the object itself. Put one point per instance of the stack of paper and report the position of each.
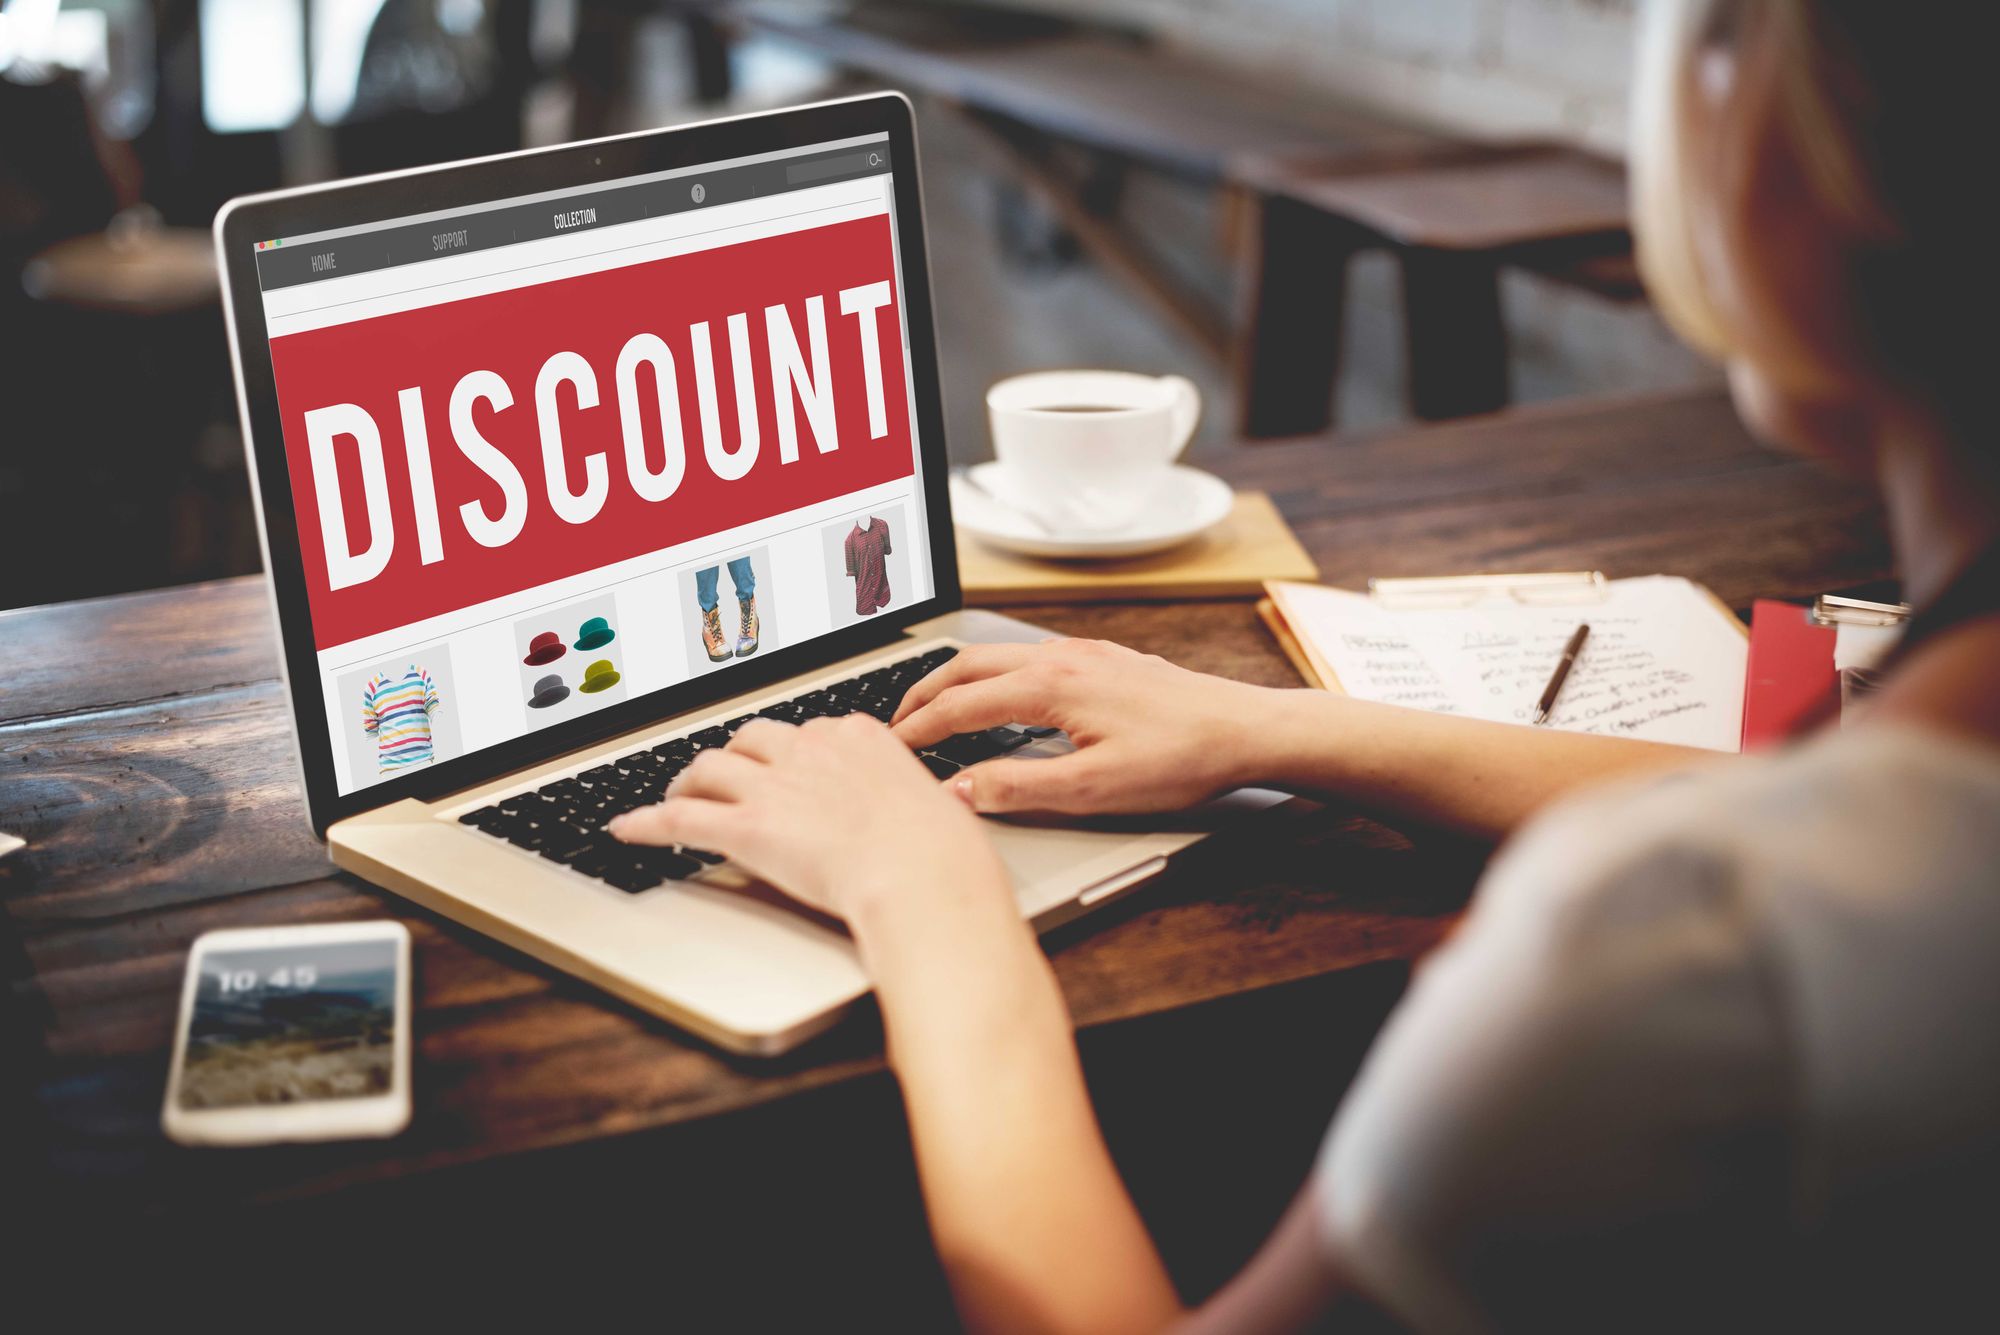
(1664, 660)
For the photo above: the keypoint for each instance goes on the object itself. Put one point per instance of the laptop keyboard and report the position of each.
(564, 820)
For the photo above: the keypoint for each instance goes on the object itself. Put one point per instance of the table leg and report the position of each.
(708, 54)
(1288, 333)
(1080, 209)
(1454, 335)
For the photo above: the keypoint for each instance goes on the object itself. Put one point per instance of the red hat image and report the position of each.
(545, 648)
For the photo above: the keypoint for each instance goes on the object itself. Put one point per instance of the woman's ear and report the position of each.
(1839, 428)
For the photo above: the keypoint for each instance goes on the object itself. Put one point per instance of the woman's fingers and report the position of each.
(1061, 784)
(764, 739)
(969, 664)
(695, 821)
(725, 776)
(1013, 697)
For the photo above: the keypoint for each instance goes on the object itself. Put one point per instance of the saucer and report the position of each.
(1189, 503)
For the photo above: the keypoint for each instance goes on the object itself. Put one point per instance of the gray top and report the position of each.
(1706, 1053)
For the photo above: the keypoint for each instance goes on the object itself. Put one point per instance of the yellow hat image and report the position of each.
(599, 676)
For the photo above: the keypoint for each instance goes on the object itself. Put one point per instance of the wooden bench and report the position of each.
(1042, 87)
(1328, 179)
(1454, 223)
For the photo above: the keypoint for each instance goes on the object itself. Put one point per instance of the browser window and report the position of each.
(560, 451)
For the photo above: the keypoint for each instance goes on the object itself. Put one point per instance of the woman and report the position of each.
(1714, 1045)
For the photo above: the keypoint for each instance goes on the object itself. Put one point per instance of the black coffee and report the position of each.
(1079, 407)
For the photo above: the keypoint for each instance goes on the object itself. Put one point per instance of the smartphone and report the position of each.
(292, 1033)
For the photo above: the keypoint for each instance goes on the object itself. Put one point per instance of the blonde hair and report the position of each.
(1868, 99)
(1663, 231)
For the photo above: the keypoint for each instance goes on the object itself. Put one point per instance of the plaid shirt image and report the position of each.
(866, 548)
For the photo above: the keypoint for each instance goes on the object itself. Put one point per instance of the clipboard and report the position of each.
(1558, 588)
(1666, 661)
(1288, 644)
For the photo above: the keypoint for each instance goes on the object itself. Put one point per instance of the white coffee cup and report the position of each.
(1088, 450)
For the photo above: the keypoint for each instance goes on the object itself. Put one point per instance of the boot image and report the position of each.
(746, 631)
(711, 635)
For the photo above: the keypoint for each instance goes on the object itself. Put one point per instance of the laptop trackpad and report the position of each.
(1053, 858)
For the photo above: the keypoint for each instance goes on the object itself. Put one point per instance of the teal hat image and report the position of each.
(595, 634)
(599, 676)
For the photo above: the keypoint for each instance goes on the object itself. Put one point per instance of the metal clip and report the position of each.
(1563, 588)
(1831, 609)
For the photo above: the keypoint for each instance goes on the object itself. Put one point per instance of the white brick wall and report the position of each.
(1481, 68)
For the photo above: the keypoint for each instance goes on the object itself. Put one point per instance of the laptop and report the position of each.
(570, 462)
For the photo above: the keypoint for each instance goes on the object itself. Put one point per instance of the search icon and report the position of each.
(824, 168)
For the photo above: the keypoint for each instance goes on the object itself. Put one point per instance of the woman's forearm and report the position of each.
(1033, 1225)
(1468, 774)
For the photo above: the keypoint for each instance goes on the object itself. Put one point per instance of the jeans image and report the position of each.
(740, 574)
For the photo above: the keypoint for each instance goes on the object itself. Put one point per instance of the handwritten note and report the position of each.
(1663, 662)
(1396, 669)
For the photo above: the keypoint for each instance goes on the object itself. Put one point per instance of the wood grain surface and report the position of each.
(145, 754)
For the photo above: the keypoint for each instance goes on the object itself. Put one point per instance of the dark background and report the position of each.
(124, 124)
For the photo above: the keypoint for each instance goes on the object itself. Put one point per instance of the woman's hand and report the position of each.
(1150, 736)
(837, 813)
(1017, 1182)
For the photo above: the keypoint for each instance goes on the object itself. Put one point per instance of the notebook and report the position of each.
(1664, 661)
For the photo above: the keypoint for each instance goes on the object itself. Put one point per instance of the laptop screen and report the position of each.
(558, 451)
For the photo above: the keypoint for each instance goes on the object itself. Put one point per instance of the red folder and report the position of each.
(1790, 682)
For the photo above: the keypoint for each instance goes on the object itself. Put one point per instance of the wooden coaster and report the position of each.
(1231, 560)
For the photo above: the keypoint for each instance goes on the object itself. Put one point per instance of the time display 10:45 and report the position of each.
(249, 980)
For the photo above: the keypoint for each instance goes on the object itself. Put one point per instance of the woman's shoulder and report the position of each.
(1855, 880)
(1895, 815)
(1714, 1008)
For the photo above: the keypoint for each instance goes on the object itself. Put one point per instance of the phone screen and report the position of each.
(292, 1024)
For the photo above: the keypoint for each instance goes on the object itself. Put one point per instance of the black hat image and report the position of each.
(548, 691)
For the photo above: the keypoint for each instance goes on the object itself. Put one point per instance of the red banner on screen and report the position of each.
(815, 311)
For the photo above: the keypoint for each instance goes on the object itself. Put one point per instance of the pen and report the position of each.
(1546, 705)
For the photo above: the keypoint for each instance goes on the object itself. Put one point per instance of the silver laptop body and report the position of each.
(715, 953)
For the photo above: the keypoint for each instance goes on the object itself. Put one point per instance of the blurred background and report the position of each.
(1333, 214)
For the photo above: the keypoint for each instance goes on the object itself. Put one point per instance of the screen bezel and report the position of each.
(324, 1119)
(244, 222)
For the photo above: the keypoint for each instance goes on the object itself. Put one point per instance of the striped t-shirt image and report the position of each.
(396, 712)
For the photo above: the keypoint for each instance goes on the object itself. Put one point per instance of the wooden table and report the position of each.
(144, 754)
(140, 272)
